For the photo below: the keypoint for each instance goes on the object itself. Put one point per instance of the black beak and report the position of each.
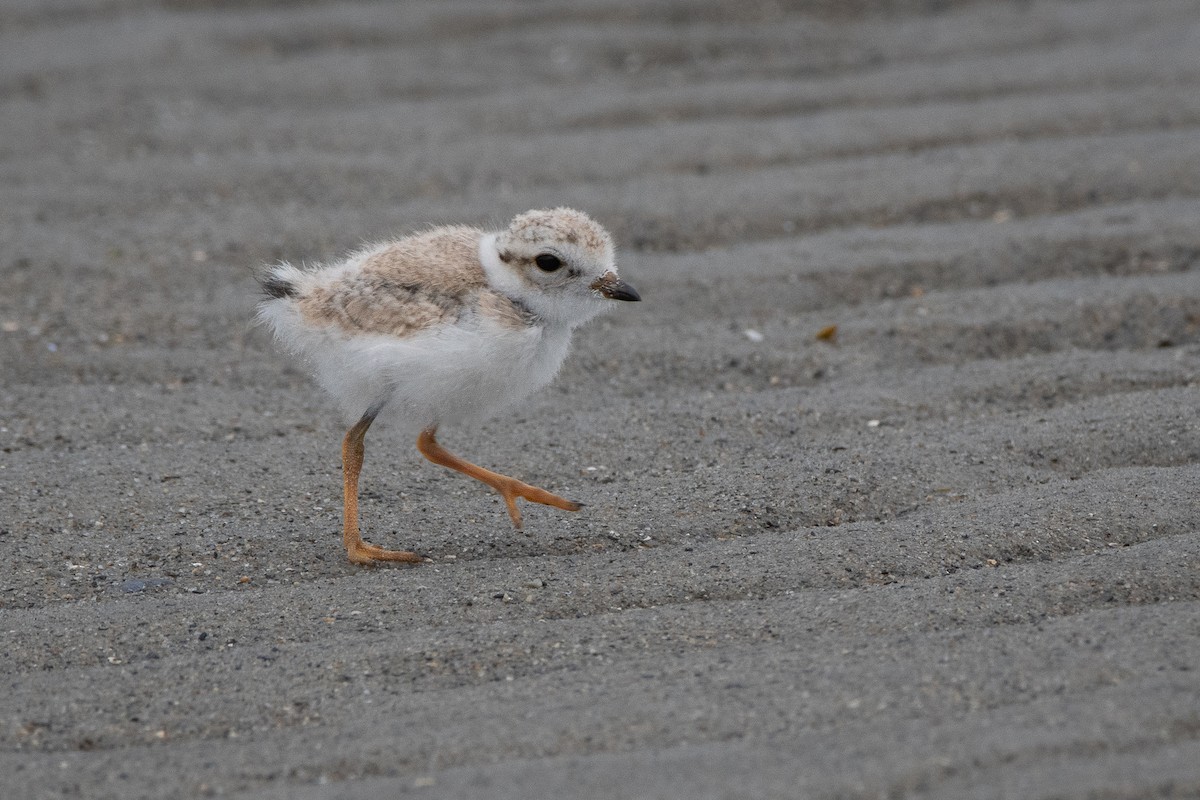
(612, 287)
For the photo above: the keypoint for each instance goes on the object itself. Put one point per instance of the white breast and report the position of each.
(445, 376)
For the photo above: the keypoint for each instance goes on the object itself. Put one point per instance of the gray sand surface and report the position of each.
(952, 552)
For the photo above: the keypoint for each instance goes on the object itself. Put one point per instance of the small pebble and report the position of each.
(141, 584)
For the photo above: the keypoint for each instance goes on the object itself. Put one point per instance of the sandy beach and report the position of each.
(892, 480)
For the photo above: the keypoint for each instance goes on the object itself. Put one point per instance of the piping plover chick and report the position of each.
(444, 327)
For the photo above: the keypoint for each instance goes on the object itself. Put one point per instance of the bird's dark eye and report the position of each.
(548, 262)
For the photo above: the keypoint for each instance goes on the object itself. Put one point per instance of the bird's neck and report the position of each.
(499, 276)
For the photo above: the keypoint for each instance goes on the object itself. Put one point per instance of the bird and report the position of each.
(444, 327)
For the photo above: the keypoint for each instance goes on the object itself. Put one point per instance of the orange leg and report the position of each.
(509, 488)
(352, 460)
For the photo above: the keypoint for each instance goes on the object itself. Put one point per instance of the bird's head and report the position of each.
(559, 262)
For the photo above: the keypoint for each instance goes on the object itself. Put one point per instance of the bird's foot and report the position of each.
(364, 553)
(511, 488)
